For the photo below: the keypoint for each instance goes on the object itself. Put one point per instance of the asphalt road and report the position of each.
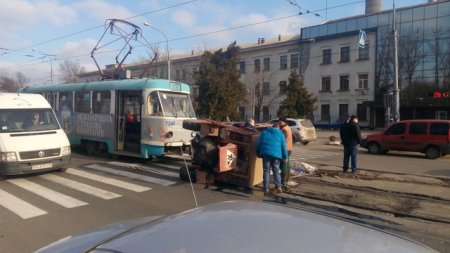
(330, 156)
(38, 209)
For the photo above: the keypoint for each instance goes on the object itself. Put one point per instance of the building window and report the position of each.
(177, 74)
(363, 81)
(266, 113)
(294, 61)
(283, 87)
(195, 92)
(197, 68)
(242, 67)
(343, 83)
(325, 112)
(183, 74)
(257, 90)
(345, 54)
(361, 112)
(326, 84)
(266, 64)
(266, 88)
(343, 113)
(326, 56)
(257, 65)
(363, 53)
(283, 62)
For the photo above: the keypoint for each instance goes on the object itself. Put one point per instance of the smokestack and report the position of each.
(373, 6)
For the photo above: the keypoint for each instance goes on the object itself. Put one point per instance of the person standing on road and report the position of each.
(350, 134)
(271, 147)
(285, 170)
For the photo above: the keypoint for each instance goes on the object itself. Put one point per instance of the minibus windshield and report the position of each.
(24, 120)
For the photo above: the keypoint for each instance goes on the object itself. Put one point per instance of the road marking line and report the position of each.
(18, 206)
(81, 187)
(54, 196)
(149, 169)
(107, 180)
(131, 175)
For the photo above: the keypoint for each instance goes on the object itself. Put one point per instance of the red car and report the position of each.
(428, 136)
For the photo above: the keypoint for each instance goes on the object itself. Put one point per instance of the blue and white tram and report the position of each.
(134, 117)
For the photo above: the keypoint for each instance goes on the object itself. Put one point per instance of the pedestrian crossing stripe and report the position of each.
(21, 208)
(26, 210)
(91, 190)
(54, 196)
(107, 180)
(149, 169)
(131, 175)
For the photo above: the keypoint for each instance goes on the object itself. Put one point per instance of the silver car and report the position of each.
(303, 130)
(238, 226)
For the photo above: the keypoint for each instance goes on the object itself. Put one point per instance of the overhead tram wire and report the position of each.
(93, 28)
(191, 36)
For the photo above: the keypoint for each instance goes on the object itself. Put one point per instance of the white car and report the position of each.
(303, 130)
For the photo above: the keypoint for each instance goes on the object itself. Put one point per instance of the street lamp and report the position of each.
(396, 89)
(167, 47)
(51, 62)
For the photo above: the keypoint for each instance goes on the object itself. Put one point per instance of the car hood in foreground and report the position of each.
(242, 226)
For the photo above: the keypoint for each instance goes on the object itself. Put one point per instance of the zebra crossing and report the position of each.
(93, 177)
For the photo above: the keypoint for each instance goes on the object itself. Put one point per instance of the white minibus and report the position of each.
(31, 138)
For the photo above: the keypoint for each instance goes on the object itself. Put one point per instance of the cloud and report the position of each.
(183, 18)
(55, 13)
(102, 10)
(15, 15)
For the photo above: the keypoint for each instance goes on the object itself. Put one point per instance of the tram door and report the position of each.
(129, 121)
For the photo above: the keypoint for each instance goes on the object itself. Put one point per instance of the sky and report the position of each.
(38, 35)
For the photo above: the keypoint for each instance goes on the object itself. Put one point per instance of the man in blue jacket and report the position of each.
(271, 147)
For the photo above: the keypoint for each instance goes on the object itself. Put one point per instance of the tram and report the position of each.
(131, 117)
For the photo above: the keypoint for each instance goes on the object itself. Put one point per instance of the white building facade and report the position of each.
(340, 74)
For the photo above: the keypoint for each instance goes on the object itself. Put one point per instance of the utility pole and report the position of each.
(396, 89)
(49, 56)
(167, 47)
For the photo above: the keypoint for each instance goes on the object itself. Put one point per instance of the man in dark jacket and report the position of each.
(350, 138)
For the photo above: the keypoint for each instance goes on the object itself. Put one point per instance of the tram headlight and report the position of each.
(169, 134)
(193, 134)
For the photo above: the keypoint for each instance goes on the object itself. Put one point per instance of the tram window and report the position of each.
(177, 105)
(65, 101)
(154, 106)
(101, 101)
(82, 101)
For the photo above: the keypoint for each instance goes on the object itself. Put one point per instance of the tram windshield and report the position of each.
(170, 104)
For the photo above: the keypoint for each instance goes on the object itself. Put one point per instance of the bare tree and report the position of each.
(70, 70)
(385, 62)
(410, 55)
(8, 83)
(262, 96)
(440, 48)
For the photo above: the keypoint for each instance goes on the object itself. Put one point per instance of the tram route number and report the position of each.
(170, 123)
